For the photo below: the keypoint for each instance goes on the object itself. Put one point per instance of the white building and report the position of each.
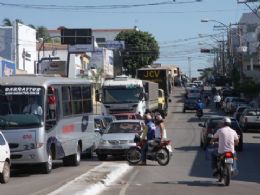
(19, 46)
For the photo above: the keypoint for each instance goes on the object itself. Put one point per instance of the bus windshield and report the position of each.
(21, 107)
(121, 95)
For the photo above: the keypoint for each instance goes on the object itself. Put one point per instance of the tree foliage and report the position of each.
(42, 32)
(7, 22)
(141, 49)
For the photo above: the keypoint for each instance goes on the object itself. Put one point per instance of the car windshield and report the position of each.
(21, 107)
(124, 127)
(215, 123)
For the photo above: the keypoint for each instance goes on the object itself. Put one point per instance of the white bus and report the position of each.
(55, 127)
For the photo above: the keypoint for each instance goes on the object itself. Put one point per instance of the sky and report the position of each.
(176, 25)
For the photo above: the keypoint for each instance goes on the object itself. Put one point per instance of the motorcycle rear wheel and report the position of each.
(227, 174)
(162, 156)
(133, 155)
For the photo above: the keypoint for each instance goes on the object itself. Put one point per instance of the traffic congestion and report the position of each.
(134, 97)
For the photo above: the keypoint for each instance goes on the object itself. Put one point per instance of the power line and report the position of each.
(89, 7)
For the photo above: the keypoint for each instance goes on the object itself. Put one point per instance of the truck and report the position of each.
(163, 77)
(123, 94)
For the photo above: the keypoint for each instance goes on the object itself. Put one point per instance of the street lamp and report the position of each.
(210, 20)
(228, 27)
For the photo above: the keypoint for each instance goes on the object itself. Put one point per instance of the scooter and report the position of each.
(157, 151)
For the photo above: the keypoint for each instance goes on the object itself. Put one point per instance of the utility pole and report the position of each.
(189, 62)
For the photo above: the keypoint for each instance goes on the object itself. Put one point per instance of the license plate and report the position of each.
(169, 147)
(229, 160)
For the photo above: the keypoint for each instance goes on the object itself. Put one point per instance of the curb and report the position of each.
(95, 180)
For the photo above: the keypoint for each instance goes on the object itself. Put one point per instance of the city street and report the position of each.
(188, 171)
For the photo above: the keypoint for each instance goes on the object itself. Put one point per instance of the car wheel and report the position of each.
(102, 156)
(5, 175)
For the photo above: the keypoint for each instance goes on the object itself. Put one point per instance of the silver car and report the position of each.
(118, 137)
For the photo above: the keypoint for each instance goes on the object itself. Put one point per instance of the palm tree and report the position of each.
(7, 22)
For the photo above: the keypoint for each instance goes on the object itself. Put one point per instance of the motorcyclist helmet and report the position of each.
(227, 121)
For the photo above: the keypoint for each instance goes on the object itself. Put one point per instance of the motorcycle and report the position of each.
(199, 113)
(225, 169)
(157, 151)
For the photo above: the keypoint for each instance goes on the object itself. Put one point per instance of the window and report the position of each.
(100, 40)
(2, 141)
(76, 99)
(87, 101)
(66, 101)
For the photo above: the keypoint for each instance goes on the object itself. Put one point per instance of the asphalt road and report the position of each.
(188, 171)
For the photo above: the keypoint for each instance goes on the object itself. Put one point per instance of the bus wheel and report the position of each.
(47, 166)
(74, 159)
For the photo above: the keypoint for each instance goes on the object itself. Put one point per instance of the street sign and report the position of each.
(115, 44)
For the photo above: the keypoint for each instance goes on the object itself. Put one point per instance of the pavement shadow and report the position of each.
(191, 183)
(248, 164)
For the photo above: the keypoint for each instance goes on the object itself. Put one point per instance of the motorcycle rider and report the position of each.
(148, 134)
(199, 106)
(227, 139)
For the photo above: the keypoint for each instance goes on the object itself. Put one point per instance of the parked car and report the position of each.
(212, 124)
(118, 138)
(189, 104)
(4, 160)
(250, 119)
(239, 111)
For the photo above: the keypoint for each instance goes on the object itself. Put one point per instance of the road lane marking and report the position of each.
(132, 177)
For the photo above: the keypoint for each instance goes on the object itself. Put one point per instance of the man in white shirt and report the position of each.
(217, 100)
(33, 107)
(227, 139)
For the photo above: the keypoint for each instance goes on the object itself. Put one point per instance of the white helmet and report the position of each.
(227, 120)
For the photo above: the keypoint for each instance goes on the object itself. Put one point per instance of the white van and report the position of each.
(4, 160)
